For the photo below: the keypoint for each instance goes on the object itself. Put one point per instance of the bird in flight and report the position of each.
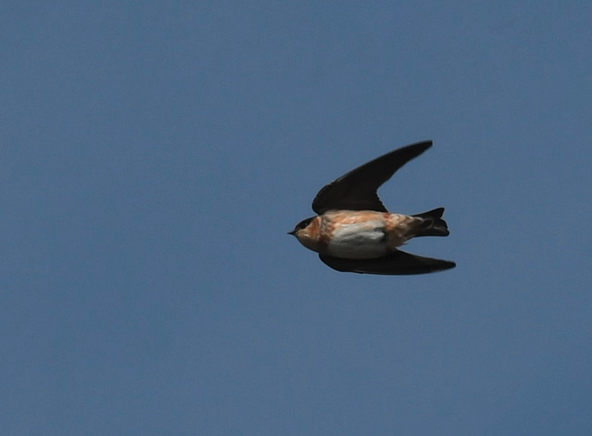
(353, 231)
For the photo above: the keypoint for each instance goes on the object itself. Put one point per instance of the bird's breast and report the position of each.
(355, 235)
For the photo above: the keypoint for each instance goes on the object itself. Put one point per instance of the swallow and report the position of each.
(354, 232)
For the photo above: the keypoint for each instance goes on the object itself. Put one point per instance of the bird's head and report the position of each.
(300, 229)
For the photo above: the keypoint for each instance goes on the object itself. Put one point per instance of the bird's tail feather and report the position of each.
(431, 223)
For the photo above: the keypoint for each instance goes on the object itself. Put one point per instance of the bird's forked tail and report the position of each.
(431, 223)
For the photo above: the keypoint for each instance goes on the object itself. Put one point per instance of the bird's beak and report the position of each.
(293, 233)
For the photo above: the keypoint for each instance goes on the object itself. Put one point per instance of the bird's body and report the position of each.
(354, 232)
(358, 234)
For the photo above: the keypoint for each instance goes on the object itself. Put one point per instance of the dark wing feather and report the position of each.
(356, 190)
(396, 263)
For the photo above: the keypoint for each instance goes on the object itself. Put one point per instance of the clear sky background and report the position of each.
(154, 154)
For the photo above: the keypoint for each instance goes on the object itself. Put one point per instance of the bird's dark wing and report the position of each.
(356, 190)
(396, 263)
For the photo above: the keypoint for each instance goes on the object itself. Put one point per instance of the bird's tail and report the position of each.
(431, 223)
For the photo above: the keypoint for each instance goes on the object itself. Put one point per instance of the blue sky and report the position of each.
(154, 155)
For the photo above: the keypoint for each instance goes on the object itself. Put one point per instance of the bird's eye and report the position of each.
(303, 224)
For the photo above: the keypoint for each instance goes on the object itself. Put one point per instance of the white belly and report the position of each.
(358, 241)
